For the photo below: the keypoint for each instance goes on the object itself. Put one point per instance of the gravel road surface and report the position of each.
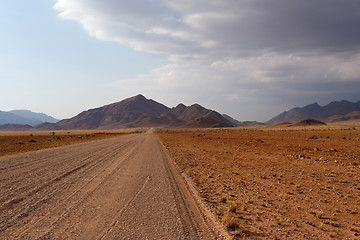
(119, 188)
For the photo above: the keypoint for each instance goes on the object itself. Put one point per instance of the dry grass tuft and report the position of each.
(230, 221)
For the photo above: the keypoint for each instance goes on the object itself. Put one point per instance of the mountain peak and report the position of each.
(180, 105)
(140, 96)
(198, 107)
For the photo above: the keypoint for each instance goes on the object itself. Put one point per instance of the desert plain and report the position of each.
(275, 183)
(25, 141)
(259, 182)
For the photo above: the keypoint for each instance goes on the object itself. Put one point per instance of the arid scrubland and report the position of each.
(293, 183)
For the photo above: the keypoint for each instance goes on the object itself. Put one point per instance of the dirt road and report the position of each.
(119, 188)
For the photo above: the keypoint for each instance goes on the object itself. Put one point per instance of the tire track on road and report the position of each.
(124, 188)
(52, 162)
(64, 184)
(89, 191)
(29, 205)
(116, 219)
(31, 201)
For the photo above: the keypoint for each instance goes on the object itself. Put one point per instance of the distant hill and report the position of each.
(42, 117)
(25, 127)
(315, 111)
(250, 124)
(230, 119)
(308, 122)
(11, 118)
(138, 111)
(46, 126)
(242, 123)
(15, 127)
(24, 117)
(352, 116)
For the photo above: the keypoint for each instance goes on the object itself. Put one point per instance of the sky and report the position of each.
(250, 59)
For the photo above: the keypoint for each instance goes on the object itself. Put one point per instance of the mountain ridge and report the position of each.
(33, 115)
(24, 117)
(315, 111)
(139, 111)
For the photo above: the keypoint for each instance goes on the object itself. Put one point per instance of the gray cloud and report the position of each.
(325, 25)
(231, 53)
(222, 28)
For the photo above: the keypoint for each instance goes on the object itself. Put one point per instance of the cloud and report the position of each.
(221, 29)
(251, 88)
(232, 52)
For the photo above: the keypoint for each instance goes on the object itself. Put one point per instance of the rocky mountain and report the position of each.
(196, 116)
(24, 117)
(132, 112)
(141, 112)
(230, 119)
(315, 111)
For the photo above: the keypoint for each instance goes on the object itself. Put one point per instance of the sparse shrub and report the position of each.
(317, 213)
(334, 224)
(310, 223)
(238, 232)
(32, 141)
(229, 222)
(232, 207)
(221, 210)
(278, 220)
(223, 199)
(313, 137)
(322, 227)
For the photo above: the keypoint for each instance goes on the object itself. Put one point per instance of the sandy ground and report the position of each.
(275, 183)
(18, 142)
(119, 188)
